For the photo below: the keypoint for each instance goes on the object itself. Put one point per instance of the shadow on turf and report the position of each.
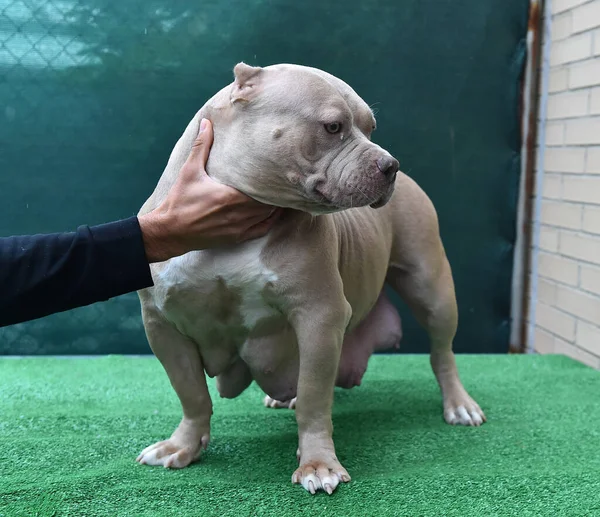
(388, 421)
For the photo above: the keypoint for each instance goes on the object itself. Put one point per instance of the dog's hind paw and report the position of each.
(277, 404)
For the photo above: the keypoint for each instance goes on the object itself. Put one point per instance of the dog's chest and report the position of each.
(217, 295)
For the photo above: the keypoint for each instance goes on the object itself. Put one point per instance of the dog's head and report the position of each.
(297, 137)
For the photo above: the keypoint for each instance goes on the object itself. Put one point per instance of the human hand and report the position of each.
(200, 213)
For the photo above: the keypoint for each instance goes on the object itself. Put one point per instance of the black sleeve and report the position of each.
(44, 274)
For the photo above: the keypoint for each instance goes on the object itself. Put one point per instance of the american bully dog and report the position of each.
(302, 309)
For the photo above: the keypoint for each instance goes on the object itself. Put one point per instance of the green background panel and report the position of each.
(95, 93)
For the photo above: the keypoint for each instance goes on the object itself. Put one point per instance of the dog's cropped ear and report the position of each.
(246, 80)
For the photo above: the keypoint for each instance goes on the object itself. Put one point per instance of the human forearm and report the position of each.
(44, 274)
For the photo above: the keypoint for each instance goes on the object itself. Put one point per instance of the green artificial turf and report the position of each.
(70, 430)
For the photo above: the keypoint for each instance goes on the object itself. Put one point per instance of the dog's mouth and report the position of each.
(379, 203)
(322, 199)
(385, 196)
(326, 202)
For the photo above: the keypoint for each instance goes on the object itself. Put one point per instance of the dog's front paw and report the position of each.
(461, 409)
(169, 454)
(184, 446)
(320, 475)
(278, 404)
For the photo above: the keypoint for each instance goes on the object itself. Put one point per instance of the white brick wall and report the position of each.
(585, 73)
(567, 310)
(559, 6)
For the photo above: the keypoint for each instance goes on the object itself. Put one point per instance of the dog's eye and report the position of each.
(333, 128)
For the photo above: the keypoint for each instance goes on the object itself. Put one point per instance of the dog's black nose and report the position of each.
(388, 166)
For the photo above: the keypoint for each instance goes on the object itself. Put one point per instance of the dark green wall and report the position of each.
(94, 96)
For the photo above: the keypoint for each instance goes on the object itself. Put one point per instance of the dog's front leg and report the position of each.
(320, 333)
(182, 362)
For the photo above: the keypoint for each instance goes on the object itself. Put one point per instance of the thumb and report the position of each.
(201, 147)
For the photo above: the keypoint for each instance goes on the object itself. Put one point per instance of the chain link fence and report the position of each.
(93, 95)
(59, 135)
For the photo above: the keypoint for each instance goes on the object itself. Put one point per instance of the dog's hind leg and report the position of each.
(420, 273)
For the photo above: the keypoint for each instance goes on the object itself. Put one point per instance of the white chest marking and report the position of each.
(241, 270)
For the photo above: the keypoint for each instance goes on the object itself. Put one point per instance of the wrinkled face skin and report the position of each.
(303, 139)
